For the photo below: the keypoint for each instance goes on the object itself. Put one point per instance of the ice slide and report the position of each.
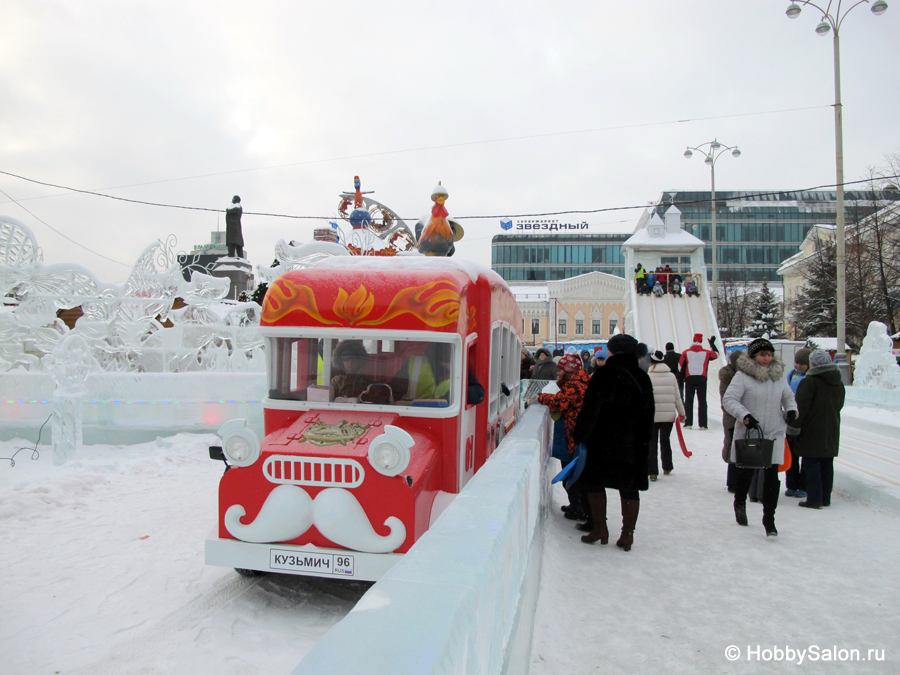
(672, 319)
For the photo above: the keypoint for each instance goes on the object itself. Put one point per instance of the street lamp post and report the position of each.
(712, 151)
(831, 22)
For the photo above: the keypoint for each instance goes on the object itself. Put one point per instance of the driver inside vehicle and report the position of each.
(350, 357)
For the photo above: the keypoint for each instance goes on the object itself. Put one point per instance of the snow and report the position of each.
(695, 582)
(104, 572)
(679, 240)
(406, 260)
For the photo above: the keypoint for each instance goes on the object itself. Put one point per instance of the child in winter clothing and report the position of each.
(793, 478)
(690, 288)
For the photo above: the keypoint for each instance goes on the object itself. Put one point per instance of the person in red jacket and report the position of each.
(694, 364)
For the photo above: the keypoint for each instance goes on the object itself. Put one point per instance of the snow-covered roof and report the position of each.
(408, 260)
(829, 344)
(680, 240)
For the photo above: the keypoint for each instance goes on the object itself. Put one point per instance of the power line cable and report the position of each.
(475, 217)
(99, 255)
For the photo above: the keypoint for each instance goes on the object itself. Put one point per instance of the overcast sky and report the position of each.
(517, 107)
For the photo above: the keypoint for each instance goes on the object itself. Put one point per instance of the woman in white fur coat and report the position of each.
(759, 397)
(668, 408)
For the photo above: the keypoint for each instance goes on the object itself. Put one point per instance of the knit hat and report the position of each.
(657, 357)
(670, 347)
(760, 345)
(801, 358)
(641, 351)
(622, 344)
(570, 363)
(698, 338)
(820, 358)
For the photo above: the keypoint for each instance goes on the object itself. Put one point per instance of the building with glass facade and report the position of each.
(551, 257)
(755, 231)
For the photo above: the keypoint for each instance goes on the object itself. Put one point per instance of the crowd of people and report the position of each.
(766, 413)
(663, 280)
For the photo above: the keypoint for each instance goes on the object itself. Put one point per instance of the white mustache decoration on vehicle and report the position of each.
(289, 511)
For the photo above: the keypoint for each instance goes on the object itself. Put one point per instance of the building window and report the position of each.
(562, 327)
(612, 325)
(596, 327)
(579, 327)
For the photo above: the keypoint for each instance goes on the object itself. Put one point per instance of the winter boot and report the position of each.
(600, 533)
(771, 490)
(630, 508)
(740, 512)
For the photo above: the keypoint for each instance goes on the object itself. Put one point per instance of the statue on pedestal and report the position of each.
(234, 238)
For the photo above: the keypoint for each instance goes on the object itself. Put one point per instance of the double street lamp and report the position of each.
(712, 151)
(831, 22)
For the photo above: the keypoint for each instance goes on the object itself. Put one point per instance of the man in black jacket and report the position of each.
(671, 359)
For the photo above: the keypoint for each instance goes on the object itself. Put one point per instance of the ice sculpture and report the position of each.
(876, 367)
(130, 327)
(69, 364)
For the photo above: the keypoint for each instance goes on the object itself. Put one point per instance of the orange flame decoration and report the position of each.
(435, 304)
(285, 297)
(354, 307)
(437, 309)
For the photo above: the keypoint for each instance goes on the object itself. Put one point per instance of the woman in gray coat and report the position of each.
(759, 397)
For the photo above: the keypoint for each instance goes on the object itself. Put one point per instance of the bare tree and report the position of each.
(733, 308)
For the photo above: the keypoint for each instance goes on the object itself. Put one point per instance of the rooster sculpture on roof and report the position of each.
(437, 235)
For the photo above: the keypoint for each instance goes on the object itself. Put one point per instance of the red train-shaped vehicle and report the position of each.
(373, 422)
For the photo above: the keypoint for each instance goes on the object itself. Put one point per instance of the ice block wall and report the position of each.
(462, 600)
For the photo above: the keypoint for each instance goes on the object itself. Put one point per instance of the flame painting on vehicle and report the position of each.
(391, 381)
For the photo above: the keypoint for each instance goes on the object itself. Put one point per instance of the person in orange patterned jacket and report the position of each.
(572, 382)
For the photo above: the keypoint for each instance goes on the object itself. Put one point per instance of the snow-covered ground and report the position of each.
(103, 571)
(696, 583)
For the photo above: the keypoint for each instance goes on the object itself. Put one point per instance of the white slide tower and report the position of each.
(656, 321)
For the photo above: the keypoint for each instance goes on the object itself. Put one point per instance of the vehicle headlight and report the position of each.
(389, 453)
(239, 443)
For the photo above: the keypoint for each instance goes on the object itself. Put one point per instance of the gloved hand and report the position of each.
(791, 416)
(712, 339)
(751, 421)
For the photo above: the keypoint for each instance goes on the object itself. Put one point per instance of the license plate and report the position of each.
(301, 561)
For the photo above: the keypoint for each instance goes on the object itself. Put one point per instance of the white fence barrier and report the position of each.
(462, 600)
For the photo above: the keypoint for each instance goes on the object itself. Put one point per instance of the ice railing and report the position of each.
(132, 327)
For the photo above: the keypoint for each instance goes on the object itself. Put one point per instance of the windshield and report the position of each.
(332, 370)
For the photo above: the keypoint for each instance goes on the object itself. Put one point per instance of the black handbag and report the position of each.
(753, 452)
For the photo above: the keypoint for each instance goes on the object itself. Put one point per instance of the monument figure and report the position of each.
(234, 238)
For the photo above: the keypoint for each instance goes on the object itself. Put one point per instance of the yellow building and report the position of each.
(587, 308)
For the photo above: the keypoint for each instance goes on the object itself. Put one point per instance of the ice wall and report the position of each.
(134, 407)
(462, 600)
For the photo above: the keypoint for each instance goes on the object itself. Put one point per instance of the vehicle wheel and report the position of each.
(247, 573)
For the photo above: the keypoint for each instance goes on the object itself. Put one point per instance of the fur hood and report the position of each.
(774, 372)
